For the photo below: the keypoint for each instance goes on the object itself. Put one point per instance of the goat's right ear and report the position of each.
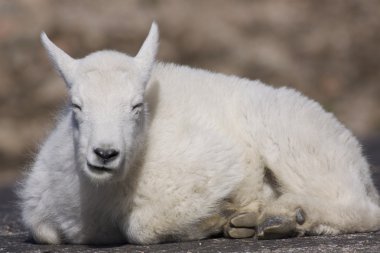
(147, 54)
(63, 63)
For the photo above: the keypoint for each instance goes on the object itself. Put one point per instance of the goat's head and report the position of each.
(107, 105)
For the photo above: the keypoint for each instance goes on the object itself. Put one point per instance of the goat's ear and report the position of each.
(147, 54)
(63, 63)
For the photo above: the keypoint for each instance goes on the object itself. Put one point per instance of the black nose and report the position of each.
(106, 154)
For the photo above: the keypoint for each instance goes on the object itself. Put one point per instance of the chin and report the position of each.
(100, 175)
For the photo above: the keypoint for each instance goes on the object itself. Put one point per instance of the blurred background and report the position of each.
(329, 50)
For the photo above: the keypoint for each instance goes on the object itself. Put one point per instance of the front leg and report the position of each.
(45, 233)
(140, 229)
(142, 226)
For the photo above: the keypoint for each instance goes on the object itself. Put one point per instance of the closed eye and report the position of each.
(136, 106)
(76, 106)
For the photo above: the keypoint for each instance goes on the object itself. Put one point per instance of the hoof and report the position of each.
(277, 227)
(239, 233)
(300, 216)
(244, 220)
(241, 225)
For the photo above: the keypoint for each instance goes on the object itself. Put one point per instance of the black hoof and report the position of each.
(276, 227)
(300, 216)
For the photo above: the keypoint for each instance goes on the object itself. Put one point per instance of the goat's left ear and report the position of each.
(64, 64)
(147, 55)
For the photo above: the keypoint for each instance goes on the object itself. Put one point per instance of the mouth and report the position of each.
(99, 169)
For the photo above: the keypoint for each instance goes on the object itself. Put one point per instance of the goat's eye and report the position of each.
(136, 106)
(76, 107)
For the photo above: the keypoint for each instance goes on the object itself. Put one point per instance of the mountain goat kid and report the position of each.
(151, 152)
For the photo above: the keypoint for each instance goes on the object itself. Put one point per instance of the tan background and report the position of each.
(329, 50)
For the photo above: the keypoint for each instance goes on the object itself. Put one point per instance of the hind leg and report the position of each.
(287, 216)
(297, 215)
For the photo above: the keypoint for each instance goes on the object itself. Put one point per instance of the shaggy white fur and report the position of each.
(150, 152)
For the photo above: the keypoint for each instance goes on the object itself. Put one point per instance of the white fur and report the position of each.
(200, 142)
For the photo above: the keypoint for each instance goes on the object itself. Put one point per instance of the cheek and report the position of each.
(81, 131)
(77, 118)
(76, 126)
(135, 125)
(129, 129)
